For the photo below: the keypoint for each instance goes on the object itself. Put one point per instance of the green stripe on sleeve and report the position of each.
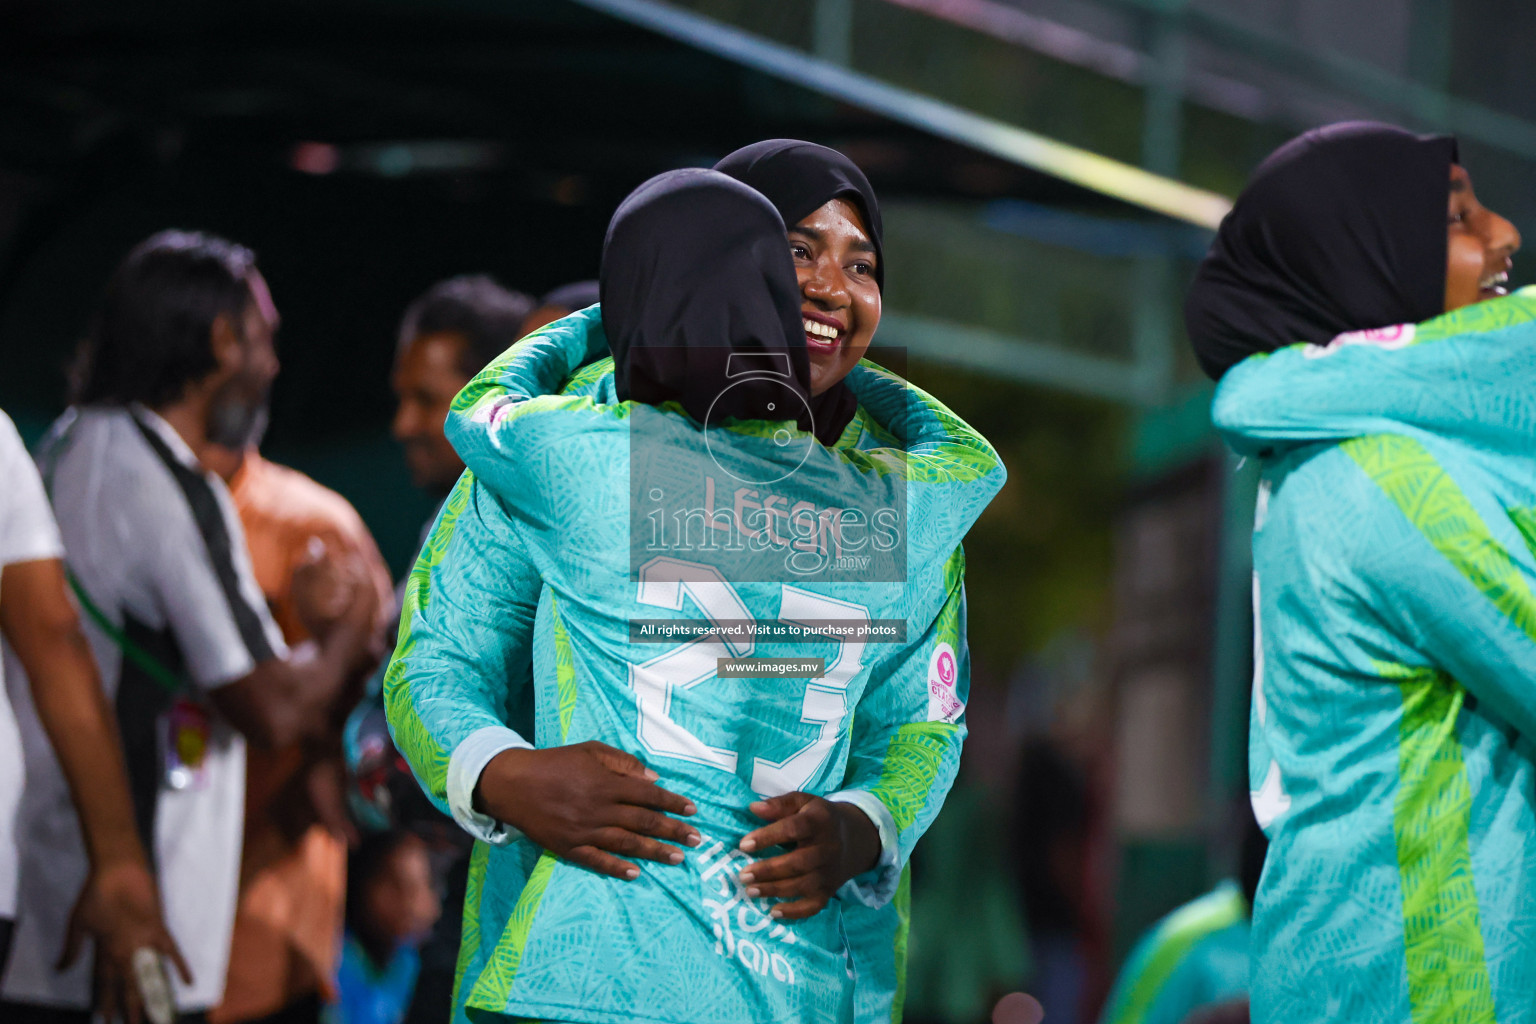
(903, 902)
(411, 735)
(469, 942)
(947, 625)
(913, 758)
(1479, 318)
(1525, 521)
(588, 375)
(565, 670)
(1426, 494)
(1447, 972)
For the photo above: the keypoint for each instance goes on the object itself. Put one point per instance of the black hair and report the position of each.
(488, 317)
(152, 333)
(573, 296)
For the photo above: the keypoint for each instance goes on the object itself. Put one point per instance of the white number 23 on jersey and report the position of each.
(667, 583)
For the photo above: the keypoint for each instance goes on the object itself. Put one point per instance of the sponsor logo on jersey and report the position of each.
(944, 703)
(745, 931)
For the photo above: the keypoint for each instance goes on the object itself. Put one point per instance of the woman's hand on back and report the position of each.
(588, 803)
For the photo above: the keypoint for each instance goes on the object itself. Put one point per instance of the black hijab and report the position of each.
(697, 287)
(798, 178)
(1340, 229)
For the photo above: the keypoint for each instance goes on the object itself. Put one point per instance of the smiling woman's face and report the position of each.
(840, 301)
(1478, 247)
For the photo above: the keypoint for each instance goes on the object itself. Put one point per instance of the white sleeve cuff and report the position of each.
(469, 759)
(875, 887)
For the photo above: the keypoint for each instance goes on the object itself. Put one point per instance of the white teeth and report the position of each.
(1494, 279)
(820, 330)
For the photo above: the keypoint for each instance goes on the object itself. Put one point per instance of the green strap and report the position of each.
(146, 662)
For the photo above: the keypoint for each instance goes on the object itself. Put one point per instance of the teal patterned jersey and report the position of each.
(722, 957)
(1394, 697)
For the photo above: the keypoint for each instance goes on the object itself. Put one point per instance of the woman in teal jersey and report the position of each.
(835, 237)
(436, 712)
(835, 242)
(1395, 652)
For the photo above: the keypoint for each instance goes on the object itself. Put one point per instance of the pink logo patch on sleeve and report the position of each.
(944, 703)
(1396, 336)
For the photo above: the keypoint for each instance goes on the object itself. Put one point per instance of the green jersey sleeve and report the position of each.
(1463, 375)
(543, 362)
(463, 656)
(1451, 572)
(1421, 409)
(466, 640)
(908, 730)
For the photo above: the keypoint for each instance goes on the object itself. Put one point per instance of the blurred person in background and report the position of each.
(1196, 959)
(560, 302)
(1351, 306)
(293, 871)
(119, 906)
(1050, 834)
(392, 904)
(181, 353)
(446, 336)
(967, 944)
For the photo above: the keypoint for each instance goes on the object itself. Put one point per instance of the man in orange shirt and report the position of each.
(304, 540)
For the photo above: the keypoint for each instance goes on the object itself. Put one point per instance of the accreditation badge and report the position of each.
(186, 731)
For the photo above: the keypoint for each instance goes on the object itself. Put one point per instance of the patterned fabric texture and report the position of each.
(548, 497)
(1395, 692)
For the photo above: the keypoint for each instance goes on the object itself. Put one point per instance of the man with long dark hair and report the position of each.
(181, 354)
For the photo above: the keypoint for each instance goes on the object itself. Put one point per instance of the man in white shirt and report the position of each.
(181, 355)
(41, 630)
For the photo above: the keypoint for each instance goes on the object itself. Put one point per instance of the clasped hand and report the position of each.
(594, 805)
